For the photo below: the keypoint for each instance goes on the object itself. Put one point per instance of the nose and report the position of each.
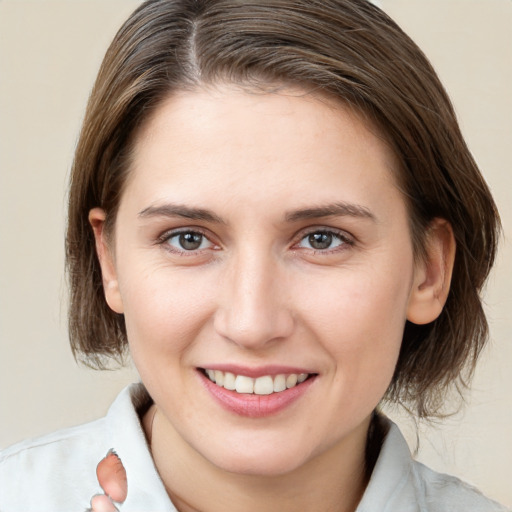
(254, 309)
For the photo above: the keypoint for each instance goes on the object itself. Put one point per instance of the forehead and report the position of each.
(237, 144)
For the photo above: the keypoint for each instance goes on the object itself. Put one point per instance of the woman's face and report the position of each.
(261, 237)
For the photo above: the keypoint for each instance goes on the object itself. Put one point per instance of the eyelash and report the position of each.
(168, 235)
(344, 240)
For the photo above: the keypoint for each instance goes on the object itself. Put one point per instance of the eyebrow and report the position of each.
(331, 210)
(179, 210)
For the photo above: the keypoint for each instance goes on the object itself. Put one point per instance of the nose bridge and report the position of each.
(253, 309)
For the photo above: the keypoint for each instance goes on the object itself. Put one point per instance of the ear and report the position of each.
(97, 218)
(432, 275)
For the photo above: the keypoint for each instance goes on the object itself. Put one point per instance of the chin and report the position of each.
(265, 459)
(258, 466)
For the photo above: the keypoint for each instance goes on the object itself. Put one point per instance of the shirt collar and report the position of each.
(146, 490)
(391, 472)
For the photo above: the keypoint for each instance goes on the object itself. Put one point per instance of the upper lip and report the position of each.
(257, 371)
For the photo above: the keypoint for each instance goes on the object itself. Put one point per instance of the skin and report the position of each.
(111, 476)
(257, 292)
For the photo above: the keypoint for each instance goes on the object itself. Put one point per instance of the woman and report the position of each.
(273, 208)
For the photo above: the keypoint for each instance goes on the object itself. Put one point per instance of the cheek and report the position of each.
(360, 324)
(164, 310)
(366, 304)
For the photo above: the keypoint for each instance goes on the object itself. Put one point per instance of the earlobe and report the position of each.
(433, 274)
(104, 252)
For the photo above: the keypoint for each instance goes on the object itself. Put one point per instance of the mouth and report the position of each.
(262, 385)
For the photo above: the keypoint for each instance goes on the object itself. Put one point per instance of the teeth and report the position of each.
(279, 383)
(291, 380)
(219, 377)
(229, 381)
(243, 384)
(264, 385)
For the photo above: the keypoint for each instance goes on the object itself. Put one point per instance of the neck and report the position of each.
(331, 481)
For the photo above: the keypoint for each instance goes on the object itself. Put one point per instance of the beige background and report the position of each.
(49, 53)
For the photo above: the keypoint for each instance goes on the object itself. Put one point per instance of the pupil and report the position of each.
(320, 240)
(191, 241)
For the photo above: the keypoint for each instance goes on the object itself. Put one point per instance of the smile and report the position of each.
(264, 385)
(269, 391)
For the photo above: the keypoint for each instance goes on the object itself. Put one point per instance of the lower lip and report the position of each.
(252, 405)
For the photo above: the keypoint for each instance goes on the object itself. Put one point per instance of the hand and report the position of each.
(112, 479)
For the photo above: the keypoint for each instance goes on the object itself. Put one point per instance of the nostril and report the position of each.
(253, 327)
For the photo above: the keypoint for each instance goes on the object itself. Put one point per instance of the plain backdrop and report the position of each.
(49, 54)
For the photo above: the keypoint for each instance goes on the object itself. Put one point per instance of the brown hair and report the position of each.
(348, 49)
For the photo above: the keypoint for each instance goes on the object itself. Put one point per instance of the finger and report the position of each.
(112, 477)
(102, 503)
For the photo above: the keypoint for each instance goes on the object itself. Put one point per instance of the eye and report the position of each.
(323, 240)
(187, 241)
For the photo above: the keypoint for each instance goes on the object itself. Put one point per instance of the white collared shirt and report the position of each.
(57, 472)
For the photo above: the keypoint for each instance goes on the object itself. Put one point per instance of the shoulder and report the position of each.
(50, 443)
(400, 484)
(41, 474)
(58, 471)
(445, 492)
